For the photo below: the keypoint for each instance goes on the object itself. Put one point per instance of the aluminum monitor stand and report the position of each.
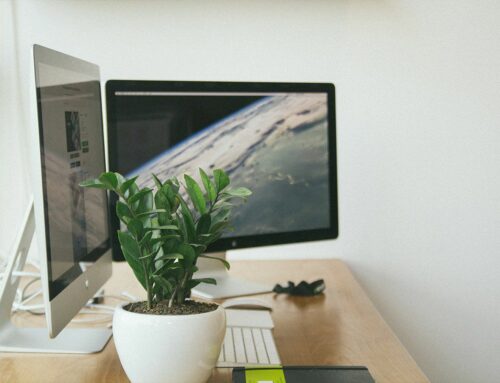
(227, 286)
(17, 339)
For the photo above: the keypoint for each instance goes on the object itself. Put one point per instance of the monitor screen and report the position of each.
(276, 141)
(72, 150)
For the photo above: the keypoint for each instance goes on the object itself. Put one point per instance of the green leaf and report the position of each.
(166, 227)
(182, 227)
(125, 186)
(132, 253)
(195, 194)
(129, 245)
(170, 190)
(188, 221)
(170, 256)
(198, 246)
(237, 192)
(139, 195)
(93, 183)
(123, 212)
(148, 213)
(161, 201)
(120, 180)
(193, 283)
(163, 219)
(163, 238)
(167, 268)
(163, 282)
(135, 228)
(147, 238)
(210, 281)
(221, 179)
(219, 227)
(142, 202)
(221, 215)
(209, 186)
(212, 238)
(149, 255)
(189, 255)
(203, 225)
(157, 181)
(109, 179)
(133, 190)
(226, 263)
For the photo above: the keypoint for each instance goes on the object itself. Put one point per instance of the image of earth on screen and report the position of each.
(274, 144)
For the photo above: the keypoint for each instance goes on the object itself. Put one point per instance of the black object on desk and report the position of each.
(302, 289)
(303, 374)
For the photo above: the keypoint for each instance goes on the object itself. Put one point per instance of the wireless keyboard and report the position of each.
(248, 345)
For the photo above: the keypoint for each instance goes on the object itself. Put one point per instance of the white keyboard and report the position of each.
(249, 339)
(248, 346)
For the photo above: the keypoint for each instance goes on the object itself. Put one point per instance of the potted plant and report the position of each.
(169, 337)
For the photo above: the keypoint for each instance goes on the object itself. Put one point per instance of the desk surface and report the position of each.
(341, 327)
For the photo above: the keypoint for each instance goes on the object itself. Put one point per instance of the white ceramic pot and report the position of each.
(168, 348)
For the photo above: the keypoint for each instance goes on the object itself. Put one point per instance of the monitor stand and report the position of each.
(18, 339)
(227, 286)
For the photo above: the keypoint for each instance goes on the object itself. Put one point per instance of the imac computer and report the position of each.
(277, 139)
(71, 223)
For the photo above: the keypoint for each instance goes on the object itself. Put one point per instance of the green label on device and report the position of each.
(265, 375)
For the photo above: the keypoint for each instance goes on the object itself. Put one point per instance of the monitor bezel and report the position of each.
(62, 302)
(223, 244)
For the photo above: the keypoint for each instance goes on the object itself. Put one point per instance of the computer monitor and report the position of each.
(278, 139)
(71, 222)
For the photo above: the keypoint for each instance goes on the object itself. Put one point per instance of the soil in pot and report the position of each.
(161, 308)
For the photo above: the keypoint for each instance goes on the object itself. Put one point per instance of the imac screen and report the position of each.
(276, 144)
(72, 150)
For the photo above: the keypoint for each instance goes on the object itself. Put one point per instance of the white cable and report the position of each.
(101, 313)
(32, 296)
(130, 296)
(21, 307)
(99, 310)
(93, 312)
(102, 307)
(22, 274)
(90, 320)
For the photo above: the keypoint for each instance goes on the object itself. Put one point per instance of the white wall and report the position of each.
(418, 132)
(13, 180)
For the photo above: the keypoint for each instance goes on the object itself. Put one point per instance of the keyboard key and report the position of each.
(249, 345)
(221, 355)
(229, 346)
(239, 347)
(270, 346)
(244, 346)
(259, 346)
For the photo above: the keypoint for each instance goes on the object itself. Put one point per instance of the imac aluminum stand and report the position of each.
(227, 286)
(16, 339)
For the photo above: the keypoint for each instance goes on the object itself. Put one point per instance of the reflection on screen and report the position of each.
(72, 147)
(276, 144)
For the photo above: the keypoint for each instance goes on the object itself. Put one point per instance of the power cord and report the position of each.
(93, 307)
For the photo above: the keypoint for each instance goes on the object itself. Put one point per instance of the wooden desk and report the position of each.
(341, 327)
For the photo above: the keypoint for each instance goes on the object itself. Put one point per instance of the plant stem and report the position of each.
(187, 277)
(172, 297)
(148, 287)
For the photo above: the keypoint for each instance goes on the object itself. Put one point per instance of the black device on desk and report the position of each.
(303, 374)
